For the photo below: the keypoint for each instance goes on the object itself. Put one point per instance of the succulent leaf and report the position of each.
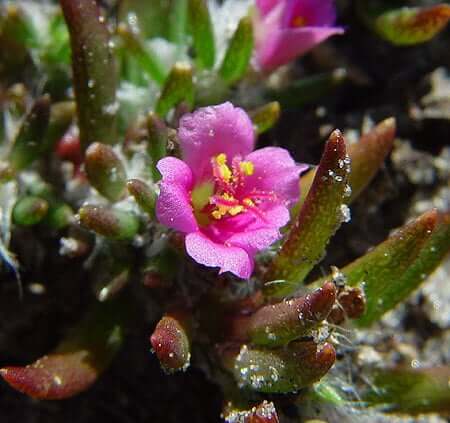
(29, 141)
(317, 221)
(281, 371)
(78, 361)
(111, 223)
(202, 32)
(105, 171)
(148, 62)
(388, 273)
(239, 52)
(277, 324)
(145, 197)
(412, 25)
(177, 88)
(157, 141)
(367, 156)
(265, 117)
(94, 76)
(29, 211)
(412, 391)
(171, 341)
(308, 90)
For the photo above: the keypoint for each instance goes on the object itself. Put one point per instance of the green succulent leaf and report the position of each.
(308, 90)
(110, 223)
(144, 196)
(158, 135)
(412, 25)
(390, 271)
(239, 52)
(29, 142)
(29, 211)
(411, 391)
(178, 21)
(94, 76)
(178, 88)
(433, 252)
(105, 171)
(78, 361)
(265, 117)
(318, 220)
(202, 32)
(281, 371)
(147, 61)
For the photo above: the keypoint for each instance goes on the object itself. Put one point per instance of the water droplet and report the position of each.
(346, 214)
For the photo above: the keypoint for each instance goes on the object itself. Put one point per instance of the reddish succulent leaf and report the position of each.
(93, 67)
(171, 342)
(412, 25)
(77, 362)
(53, 377)
(278, 324)
(317, 222)
(412, 391)
(367, 156)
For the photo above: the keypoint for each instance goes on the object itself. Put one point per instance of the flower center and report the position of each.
(298, 21)
(217, 199)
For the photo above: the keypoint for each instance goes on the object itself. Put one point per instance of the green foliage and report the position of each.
(317, 221)
(412, 25)
(202, 32)
(238, 54)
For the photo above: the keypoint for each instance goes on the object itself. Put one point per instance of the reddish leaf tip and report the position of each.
(326, 356)
(322, 300)
(171, 344)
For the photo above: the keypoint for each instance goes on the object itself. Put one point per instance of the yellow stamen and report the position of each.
(299, 21)
(221, 159)
(225, 171)
(247, 202)
(247, 168)
(235, 210)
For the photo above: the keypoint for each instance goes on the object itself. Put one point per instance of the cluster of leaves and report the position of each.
(271, 340)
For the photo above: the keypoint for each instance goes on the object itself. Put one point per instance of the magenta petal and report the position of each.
(275, 171)
(173, 207)
(287, 44)
(210, 131)
(209, 253)
(316, 13)
(256, 240)
(265, 6)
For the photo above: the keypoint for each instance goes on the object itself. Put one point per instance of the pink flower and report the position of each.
(286, 29)
(229, 200)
